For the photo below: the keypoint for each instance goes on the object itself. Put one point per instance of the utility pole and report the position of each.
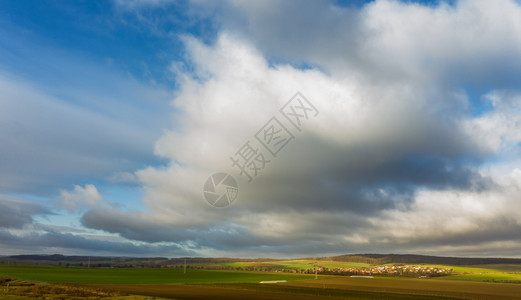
(184, 272)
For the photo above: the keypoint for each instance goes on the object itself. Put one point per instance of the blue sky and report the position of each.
(99, 31)
(114, 113)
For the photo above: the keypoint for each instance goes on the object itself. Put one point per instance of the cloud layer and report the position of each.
(415, 147)
(395, 160)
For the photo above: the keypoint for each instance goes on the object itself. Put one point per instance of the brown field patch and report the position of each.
(439, 287)
(251, 291)
(22, 289)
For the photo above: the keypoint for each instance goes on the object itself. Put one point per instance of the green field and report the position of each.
(494, 277)
(509, 273)
(440, 287)
(76, 275)
(466, 283)
(297, 264)
(495, 273)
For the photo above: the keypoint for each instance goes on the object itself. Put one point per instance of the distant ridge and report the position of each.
(373, 259)
(55, 258)
(380, 259)
(74, 258)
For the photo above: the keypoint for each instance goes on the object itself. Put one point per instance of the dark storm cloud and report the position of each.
(133, 226)
(49, 242)
(363, 180)
(225, 235)
(16, 212)
(495, 229)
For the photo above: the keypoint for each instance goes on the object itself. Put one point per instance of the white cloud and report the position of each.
(81, 198)
(448, 219)
(499, 129)
(361, 140)
(136, 4)
(470, 41)
(392, 138)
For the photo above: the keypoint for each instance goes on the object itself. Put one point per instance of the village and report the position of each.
(396, 270)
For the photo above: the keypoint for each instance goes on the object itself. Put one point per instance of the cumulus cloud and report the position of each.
(458, 218)
(375, 151)
(81, 197)
(499, 129)
(467, 41)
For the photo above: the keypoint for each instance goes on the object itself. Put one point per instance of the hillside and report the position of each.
(380, 259)
(372, 259)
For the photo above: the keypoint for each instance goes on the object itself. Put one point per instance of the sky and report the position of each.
(340, 127)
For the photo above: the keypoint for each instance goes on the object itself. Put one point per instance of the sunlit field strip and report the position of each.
(139, 275)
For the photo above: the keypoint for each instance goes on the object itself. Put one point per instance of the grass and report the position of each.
(508, 273)
(24, 290)
(149, 276)
(448, 288)
(323, 263)
(504, 267)
(495, 273)
(493, 277)
(217, 284)
(328, 292)
(252, 291)
(298, 264)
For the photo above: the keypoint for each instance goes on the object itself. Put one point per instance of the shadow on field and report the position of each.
(251, 291)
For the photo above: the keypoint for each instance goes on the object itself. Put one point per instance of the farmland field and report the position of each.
(301, 264)
(252, 291)
(109, 275)
(508, 273)
(499, 277)
(440, 287)
(289, 264)
(201, 284)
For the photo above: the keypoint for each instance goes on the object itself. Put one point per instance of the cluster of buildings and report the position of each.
(397, 270)
(405, 270)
